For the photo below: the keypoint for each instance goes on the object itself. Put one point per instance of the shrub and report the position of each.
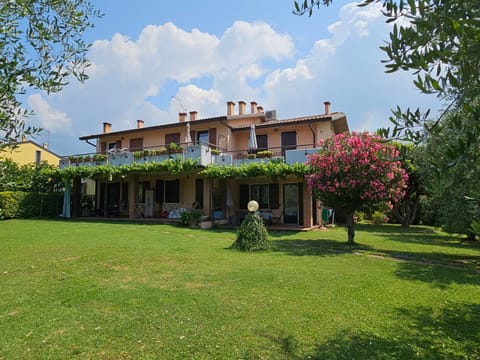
(9, 204)
(359, 216)
(190, 217)
(379, 218)
(252, 234)
(17, 204)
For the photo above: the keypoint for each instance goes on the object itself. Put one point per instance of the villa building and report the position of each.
(239, 137)
(28, 152)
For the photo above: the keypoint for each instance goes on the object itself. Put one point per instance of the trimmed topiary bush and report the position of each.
(252, 234)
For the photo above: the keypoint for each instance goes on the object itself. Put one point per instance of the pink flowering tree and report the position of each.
(354, 172)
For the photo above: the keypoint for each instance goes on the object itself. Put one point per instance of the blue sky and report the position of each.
(206, 53)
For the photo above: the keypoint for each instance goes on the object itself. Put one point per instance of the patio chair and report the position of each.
(277, 215)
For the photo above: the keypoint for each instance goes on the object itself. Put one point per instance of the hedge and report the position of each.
(17, 204)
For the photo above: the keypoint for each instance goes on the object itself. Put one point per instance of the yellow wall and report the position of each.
(25, 153)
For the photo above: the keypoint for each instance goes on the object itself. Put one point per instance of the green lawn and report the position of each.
(92, 290)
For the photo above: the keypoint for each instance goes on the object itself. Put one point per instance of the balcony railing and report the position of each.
(203, 153)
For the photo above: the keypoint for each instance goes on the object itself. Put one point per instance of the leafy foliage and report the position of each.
(173, 166)
(354, 172)
(273, 169)
(439, 41)
(252, 234)
(18, 204)
(41, 47)
(30, 178)
(190, 217)
(451, 186)
(405, 210)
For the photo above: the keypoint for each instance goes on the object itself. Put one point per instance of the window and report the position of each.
(289, 141)
(260, 194)
(167, 191)
(202, 137)
(172, 191)
(38, 157)
(262, 142)
(266, 195)
(172, 138)
(112, 146)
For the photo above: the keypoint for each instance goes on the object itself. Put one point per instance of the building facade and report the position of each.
(28, 152)
(242, 136)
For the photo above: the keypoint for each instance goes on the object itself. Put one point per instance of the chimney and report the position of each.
(182, 117)
(260, 109)
(107, 127)
(327, 107)
(230, 108)
(24, 138)
(253, 107)
(241, 107)
(140, 124)
(45, 146)
(193, 115)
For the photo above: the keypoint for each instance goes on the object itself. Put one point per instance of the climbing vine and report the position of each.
(273, 169)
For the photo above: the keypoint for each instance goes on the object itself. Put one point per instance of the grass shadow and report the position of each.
(324, 247)
(439, 276)
(448, 333)
(420, 235)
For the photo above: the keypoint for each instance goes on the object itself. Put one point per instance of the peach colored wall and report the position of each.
(235, 141)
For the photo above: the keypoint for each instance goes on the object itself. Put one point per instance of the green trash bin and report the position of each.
(325, 215)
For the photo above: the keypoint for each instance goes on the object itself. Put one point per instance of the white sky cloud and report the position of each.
(49, 118)
(136, 78)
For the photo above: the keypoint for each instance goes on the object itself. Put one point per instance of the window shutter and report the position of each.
(212, 137)
(136, 144)
(118, 144)
(103, 147)
(172, 138)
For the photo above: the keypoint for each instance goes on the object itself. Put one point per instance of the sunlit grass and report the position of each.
(125, 290)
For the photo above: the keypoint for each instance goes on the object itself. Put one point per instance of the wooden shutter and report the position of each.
(136, 144)
(118, 144)
(212, 137)
(192, 136)
(103, 147)
(172, 138)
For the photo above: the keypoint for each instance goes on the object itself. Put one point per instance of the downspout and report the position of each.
(89, 143)
(314, 135)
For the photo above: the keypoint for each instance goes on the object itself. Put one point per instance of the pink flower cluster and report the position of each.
(357, 168)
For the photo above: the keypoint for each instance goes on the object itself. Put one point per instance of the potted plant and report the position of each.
(99, 157)
(190, 217)
(216, 152)
(251, 156)
(265, 154)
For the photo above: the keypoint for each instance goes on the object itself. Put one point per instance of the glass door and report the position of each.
(290, 203)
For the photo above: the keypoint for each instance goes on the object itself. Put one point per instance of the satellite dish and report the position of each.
(252, 206)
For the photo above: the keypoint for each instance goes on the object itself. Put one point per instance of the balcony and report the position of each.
(203, 153)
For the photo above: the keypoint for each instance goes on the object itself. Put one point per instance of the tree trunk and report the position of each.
(350, 226)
